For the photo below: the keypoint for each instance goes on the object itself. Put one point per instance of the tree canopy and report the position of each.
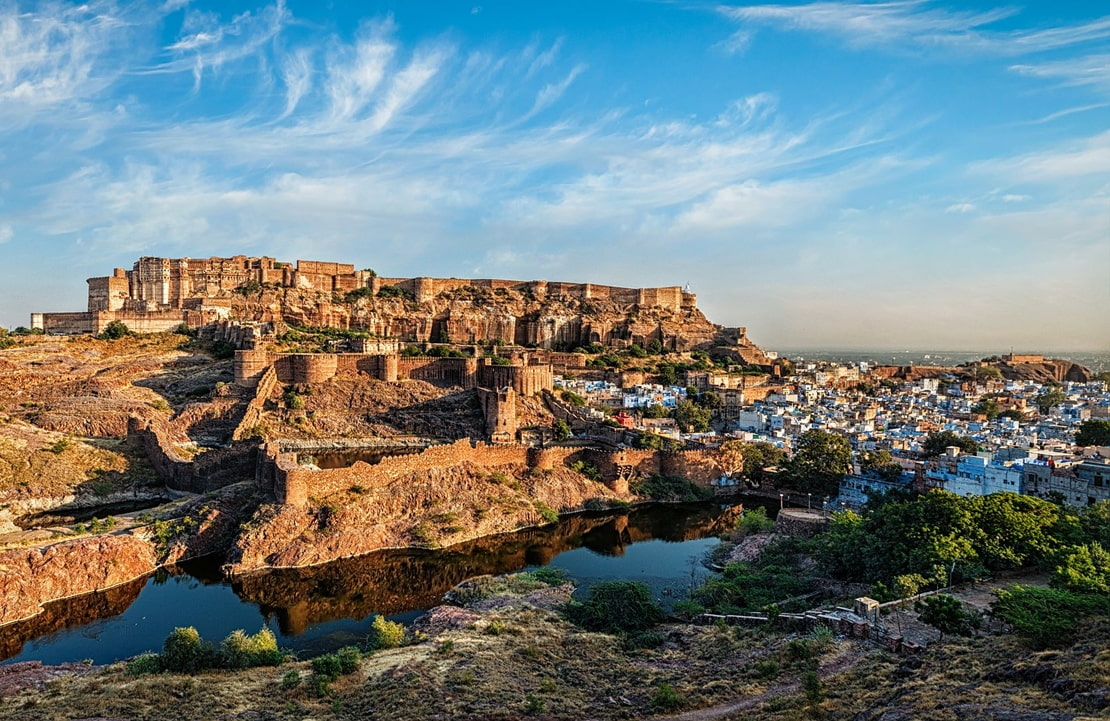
(936, 443)
(821, 460)
(1093, 433)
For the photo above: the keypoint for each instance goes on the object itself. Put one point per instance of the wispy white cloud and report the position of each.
(296, 73)
(1075, 159)
(57, 55)
(353, 73)
(551, 92)
(914, 24)
(1087, 70)
(407, 84)
(960, 208)
(544, 59)
(209, 44)
(6, 233)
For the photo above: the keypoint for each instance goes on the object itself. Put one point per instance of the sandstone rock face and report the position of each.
(431, 509)
(32, 577)
(514, 316)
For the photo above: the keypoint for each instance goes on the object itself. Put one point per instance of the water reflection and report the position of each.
(392, 582)
(322, 607)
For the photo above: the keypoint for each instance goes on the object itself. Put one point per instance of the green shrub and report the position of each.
(645, 639)
(349, 659)
(114, 331)
(243, 651)
(534, 705)
(812, 687)
(754, 520)
(61, 446)
(1046, 617)
(327, 667)
(147, 663)
(548, 513)
(385, 633)
(767, 668)
(666, 698)
(687, 609)
(183, 650)
(319, 686)
(616, 606)
(550, 576)
(291, 679)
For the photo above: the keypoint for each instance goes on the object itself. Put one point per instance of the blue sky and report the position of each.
(830, 174)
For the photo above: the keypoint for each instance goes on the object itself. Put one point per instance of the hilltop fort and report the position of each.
(160, 294)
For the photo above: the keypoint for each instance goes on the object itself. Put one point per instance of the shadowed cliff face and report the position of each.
(391, 582)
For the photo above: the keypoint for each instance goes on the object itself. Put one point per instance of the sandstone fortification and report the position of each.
(160, 294)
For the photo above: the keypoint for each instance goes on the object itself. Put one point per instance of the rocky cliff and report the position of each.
(430, 509)
(31, 577)
(512, 316)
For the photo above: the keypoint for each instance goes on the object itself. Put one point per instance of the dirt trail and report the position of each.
(846, 656)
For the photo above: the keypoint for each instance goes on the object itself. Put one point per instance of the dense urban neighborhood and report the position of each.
(972, 437)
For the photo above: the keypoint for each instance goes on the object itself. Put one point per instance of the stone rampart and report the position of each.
(208, 471)
(252, 416)
(294, 485)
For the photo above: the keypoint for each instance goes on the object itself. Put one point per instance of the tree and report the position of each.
(880, 463)
(988, 407)
(561, 429)
(1085, 569)
(115, 330)
(758, 456)
(936, 443)
(1093, 433)
(945, 613)
(730, 457)
(821, 460)
(1052, 397)
(615, 606)
(691, 417)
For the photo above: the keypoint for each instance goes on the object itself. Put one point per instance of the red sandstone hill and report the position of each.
(513, 315)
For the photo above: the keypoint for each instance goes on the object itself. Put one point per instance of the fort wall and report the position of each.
(296, 485)
(252, 416)
(527, 380)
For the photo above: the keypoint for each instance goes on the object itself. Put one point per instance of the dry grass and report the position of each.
(515, 660)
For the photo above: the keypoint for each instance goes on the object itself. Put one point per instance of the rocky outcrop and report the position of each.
(429, 508)
(32, 577)
(514, 315)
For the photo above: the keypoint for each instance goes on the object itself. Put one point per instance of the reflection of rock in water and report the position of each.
(68, 612)
(394, 581)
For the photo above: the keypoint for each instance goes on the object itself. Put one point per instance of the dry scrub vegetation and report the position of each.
(513, 655)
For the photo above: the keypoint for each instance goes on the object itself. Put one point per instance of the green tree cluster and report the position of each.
(184, 651)
(942, 537)
(821, 460)
(615, 607)
(936, 443)
(1093, 432)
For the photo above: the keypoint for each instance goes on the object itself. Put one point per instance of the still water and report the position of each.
(317, 609)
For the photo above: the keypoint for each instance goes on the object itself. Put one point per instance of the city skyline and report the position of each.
(898, 174)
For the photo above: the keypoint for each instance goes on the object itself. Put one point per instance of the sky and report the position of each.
(904, 174)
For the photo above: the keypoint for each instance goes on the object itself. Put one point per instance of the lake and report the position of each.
(318, 609)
